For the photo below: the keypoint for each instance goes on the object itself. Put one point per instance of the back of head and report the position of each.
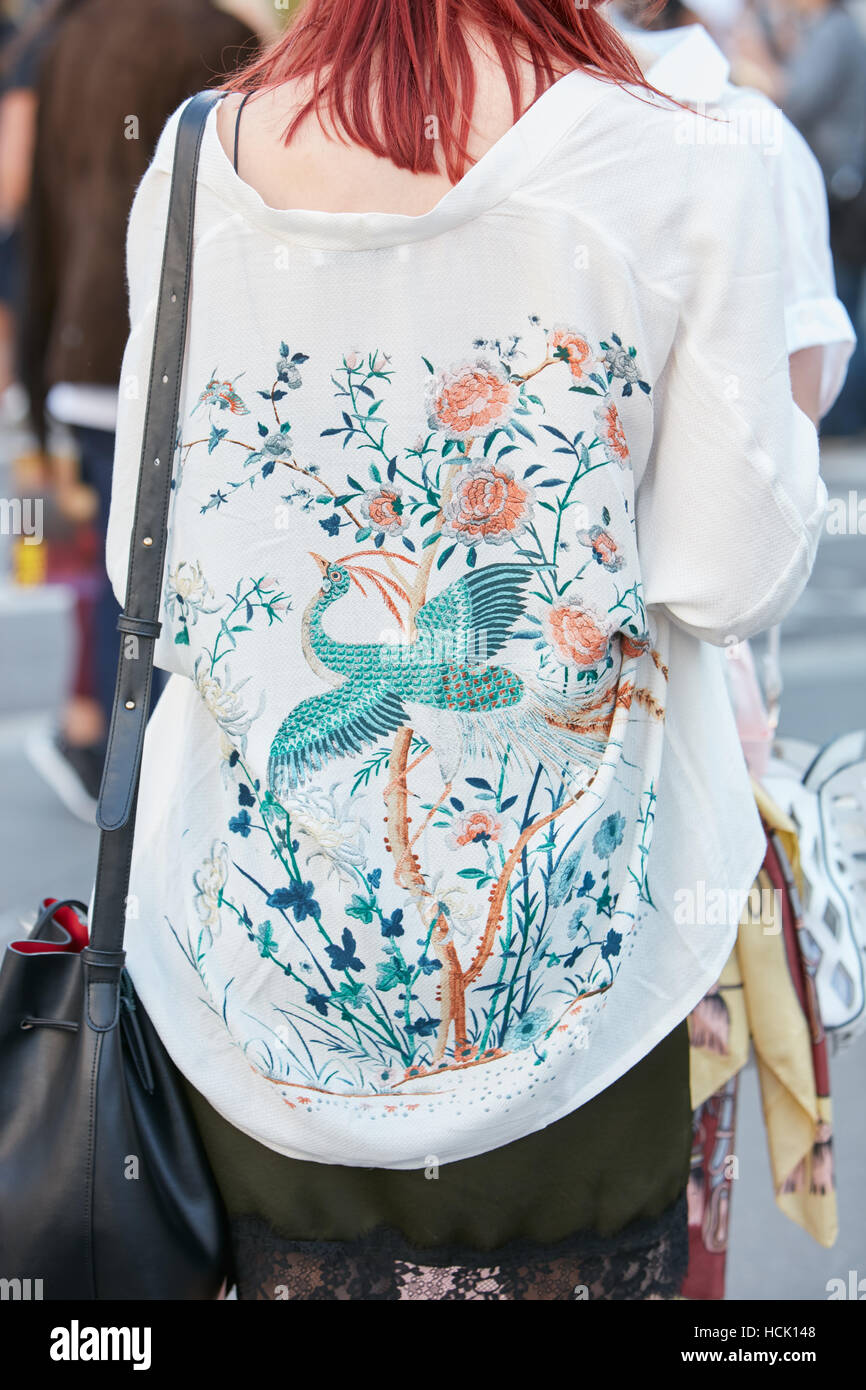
(386, 72)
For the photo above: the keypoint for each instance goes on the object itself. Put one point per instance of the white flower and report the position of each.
(335, 831)
(209, 882)
(459, 906)
(224, 702)
(187, 589)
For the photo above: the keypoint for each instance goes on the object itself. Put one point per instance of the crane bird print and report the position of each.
(472, 707)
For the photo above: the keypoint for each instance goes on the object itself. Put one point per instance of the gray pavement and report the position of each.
(46, 852)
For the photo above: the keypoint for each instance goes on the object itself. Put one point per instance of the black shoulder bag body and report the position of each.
(105, 1189)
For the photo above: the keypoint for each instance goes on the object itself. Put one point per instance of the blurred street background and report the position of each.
(50, 591)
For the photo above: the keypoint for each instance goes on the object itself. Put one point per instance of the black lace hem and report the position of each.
(646, 1260)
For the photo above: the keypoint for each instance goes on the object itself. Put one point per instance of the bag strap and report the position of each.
(139, 620)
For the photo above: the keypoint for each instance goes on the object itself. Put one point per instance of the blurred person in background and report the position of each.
(678, 55)
(122, 68)
(19, 65)
(809, 56)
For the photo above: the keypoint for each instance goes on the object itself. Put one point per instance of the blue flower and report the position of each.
(586, 886)
(298, 897)
(523, 1032)
(393, 925)
(331, 524)
(428, 966)
(577, 923)
(374, 878)
(318, 1000)
(423, 1027)
(561, 884)
(241, 824)
(610, 946)
(609, 835)
(245, 796)
(343, 957)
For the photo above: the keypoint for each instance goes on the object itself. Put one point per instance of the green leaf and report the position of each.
(364, 533)
(445, 556)
(428, 365)
(362, 908)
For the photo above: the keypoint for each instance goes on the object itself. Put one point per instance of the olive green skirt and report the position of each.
(612, 1171)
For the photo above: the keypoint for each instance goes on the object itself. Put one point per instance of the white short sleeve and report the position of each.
(730, 508)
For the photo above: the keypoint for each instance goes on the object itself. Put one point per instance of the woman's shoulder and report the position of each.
(656, 174)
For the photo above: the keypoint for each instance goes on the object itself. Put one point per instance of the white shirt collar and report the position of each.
(685, 62)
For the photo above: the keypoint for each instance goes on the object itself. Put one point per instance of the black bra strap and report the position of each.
(238, 126)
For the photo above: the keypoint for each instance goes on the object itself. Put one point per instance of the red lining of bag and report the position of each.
(65, 917)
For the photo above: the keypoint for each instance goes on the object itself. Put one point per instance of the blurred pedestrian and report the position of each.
(120, 70)
(810, 56)
(19, 66)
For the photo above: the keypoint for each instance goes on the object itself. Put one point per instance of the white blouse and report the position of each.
(443, 821)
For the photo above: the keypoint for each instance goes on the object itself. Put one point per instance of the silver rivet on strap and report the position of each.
(130, 704)
(148, 540)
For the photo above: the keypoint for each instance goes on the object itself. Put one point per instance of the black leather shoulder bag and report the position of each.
(105, 1190)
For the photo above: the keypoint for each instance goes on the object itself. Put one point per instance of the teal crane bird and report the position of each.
(473, 709)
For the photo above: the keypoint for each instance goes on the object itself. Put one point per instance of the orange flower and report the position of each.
(474, 826)
(603, 547)
(383, 508)
(571, 347)
(487, 504)
(472, 398)
(577, 635)
(611, 433)
(633, 646)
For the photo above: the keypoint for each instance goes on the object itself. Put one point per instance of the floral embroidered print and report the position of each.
(435, 834)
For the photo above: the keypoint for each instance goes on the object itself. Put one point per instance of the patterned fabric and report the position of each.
(711, 1185)
(425, 773)
(518, 794)
(766, 998)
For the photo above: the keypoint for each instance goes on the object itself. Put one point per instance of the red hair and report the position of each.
(381, 68)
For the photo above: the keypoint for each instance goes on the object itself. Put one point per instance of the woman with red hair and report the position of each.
(487, 445)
